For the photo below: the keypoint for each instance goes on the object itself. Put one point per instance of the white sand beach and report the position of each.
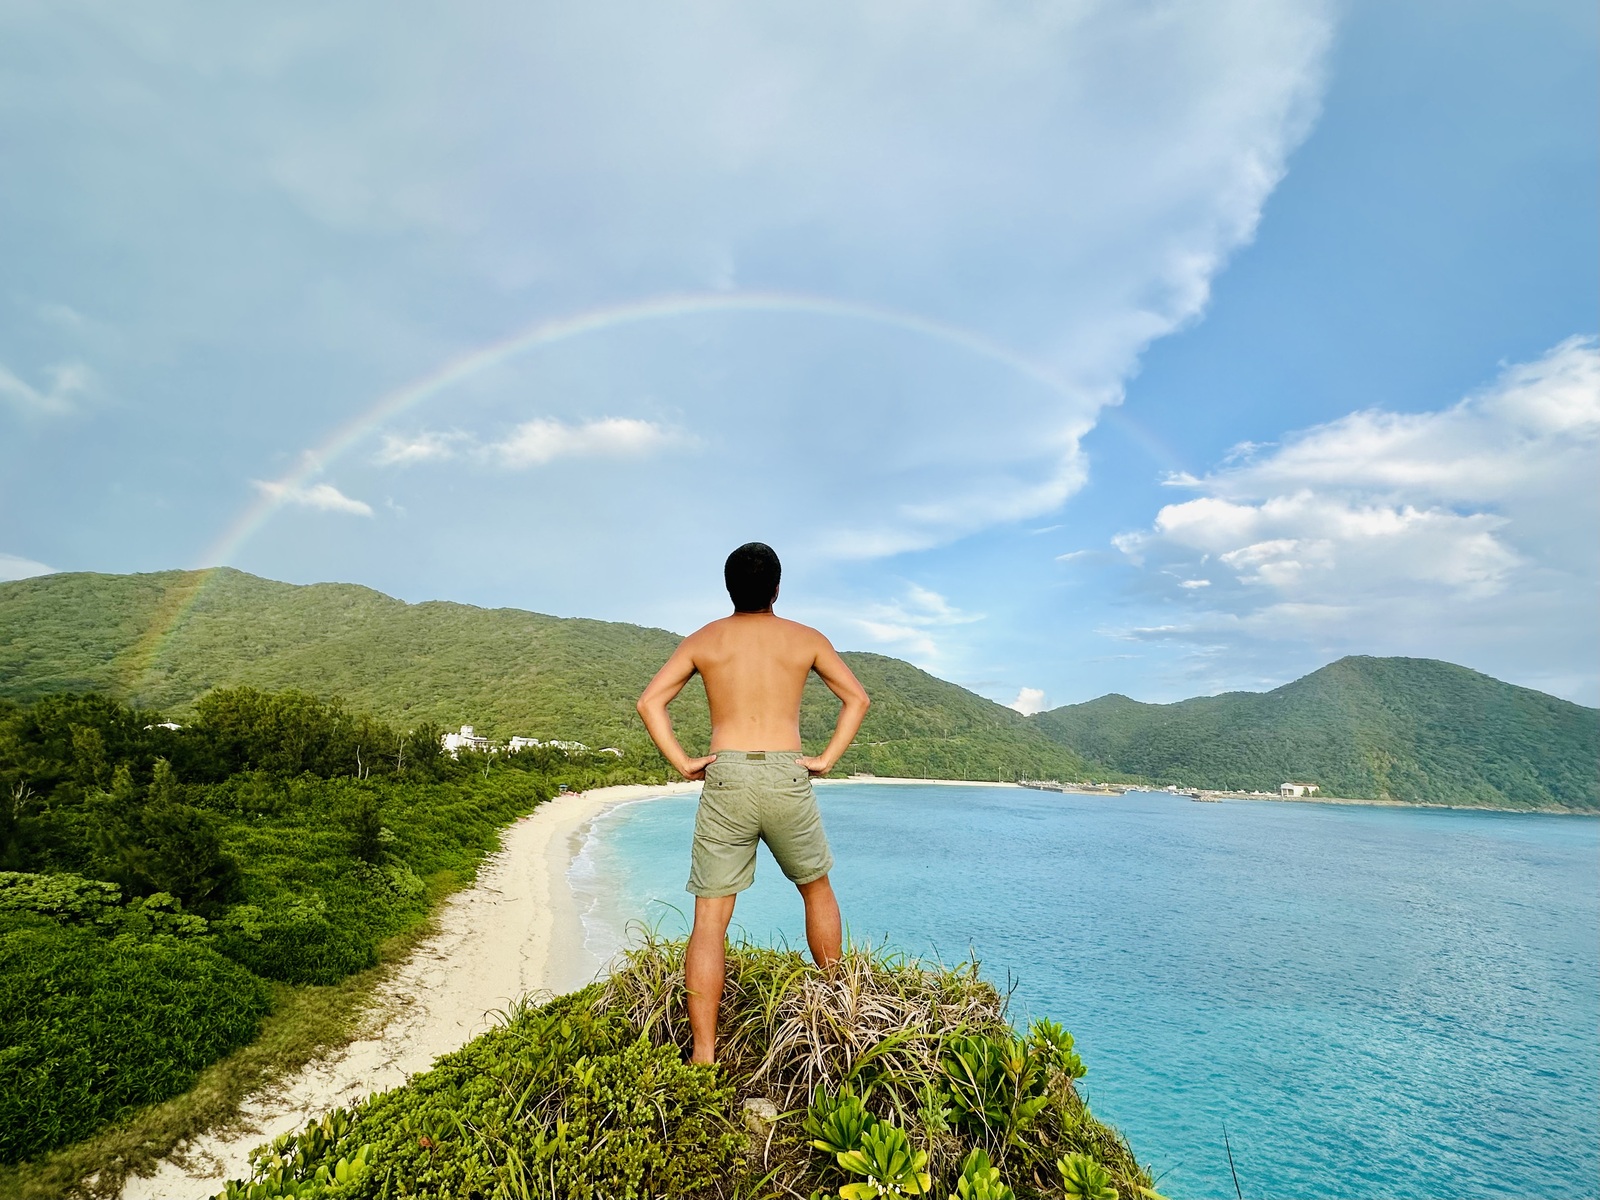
(515, 931)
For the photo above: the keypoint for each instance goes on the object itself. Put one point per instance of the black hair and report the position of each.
(752, 573)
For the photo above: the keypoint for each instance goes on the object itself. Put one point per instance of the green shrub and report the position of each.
(560, 1102)
(890, 1167)
(1084, 1179)
(70, 899)
(91, 1026)
(980, 1180)
(297, 941)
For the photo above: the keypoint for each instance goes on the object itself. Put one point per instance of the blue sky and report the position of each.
(1061, 349)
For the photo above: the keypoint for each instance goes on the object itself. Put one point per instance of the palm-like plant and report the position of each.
(1054, 1044)
(1084, 1179)
(980, 1180)
(995, 1082)
(837, 1122)
(892, 1169)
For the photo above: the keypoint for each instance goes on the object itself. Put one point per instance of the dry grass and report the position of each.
(873, 1019)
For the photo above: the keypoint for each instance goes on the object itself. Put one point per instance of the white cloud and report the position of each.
(1029, 701)
(14, 567)
(68, 383)
(322, 496)
(1453, 531)
(910, 623)
(535, 443)
(427, 446)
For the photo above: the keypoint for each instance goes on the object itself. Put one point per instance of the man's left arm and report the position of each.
(854, 703)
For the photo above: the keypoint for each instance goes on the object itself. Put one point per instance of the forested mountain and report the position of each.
(1411, 729)
(162, 640)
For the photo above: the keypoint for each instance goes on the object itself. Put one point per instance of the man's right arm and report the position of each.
(854, 703)
(652, 706)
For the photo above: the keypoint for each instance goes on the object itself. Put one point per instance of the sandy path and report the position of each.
(517, 930)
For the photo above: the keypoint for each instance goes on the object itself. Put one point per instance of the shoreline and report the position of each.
(1082, 790)
(515, 931)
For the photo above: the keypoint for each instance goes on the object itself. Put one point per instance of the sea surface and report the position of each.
(1372, 1001)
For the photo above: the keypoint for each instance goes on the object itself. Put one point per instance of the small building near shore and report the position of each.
(1297, 789)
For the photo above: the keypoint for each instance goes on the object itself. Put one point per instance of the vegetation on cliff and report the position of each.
(881, 1078)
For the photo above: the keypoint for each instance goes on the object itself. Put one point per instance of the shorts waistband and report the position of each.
(756, 756)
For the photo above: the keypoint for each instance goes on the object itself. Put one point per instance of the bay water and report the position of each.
(1371, 1001)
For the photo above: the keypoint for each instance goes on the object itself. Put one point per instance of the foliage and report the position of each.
(890, 1167)
(589, 1096)
(836, 1122)
(91, 1026)
(559, 1102)
(1049, 1040)
(72, 900)
(1084, 1179)
(980, 1179)
(1408, 729)
(996, 1084)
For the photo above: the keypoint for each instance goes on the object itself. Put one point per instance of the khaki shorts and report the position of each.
(750, 795)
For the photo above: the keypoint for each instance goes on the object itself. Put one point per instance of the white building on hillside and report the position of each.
(1297, 789)
(454, 743)
(521, 743)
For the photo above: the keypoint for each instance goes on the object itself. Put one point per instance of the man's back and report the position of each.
(755, 666)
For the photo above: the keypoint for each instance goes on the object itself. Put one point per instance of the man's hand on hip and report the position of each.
(816, 766)
(695, 768)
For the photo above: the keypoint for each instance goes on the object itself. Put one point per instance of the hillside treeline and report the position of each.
(160, 888)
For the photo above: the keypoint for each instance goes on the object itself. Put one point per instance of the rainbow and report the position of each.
(674, 306)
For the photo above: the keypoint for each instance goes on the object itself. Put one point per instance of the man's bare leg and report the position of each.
(824, 933)
(704, 965)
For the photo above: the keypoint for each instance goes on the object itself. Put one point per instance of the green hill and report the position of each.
(162, 640)
(1411, 729)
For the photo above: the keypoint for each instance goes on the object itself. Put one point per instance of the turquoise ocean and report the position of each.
(1373, 1001)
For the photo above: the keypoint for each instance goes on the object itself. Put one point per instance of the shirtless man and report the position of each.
(757, 777)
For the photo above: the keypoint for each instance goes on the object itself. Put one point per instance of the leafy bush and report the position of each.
(90, 1026)
(980, 1180)
(70, 899)
(92, 903)
(560, 1102)
(890, 1168)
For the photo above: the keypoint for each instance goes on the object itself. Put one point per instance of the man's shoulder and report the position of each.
(796, 629)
